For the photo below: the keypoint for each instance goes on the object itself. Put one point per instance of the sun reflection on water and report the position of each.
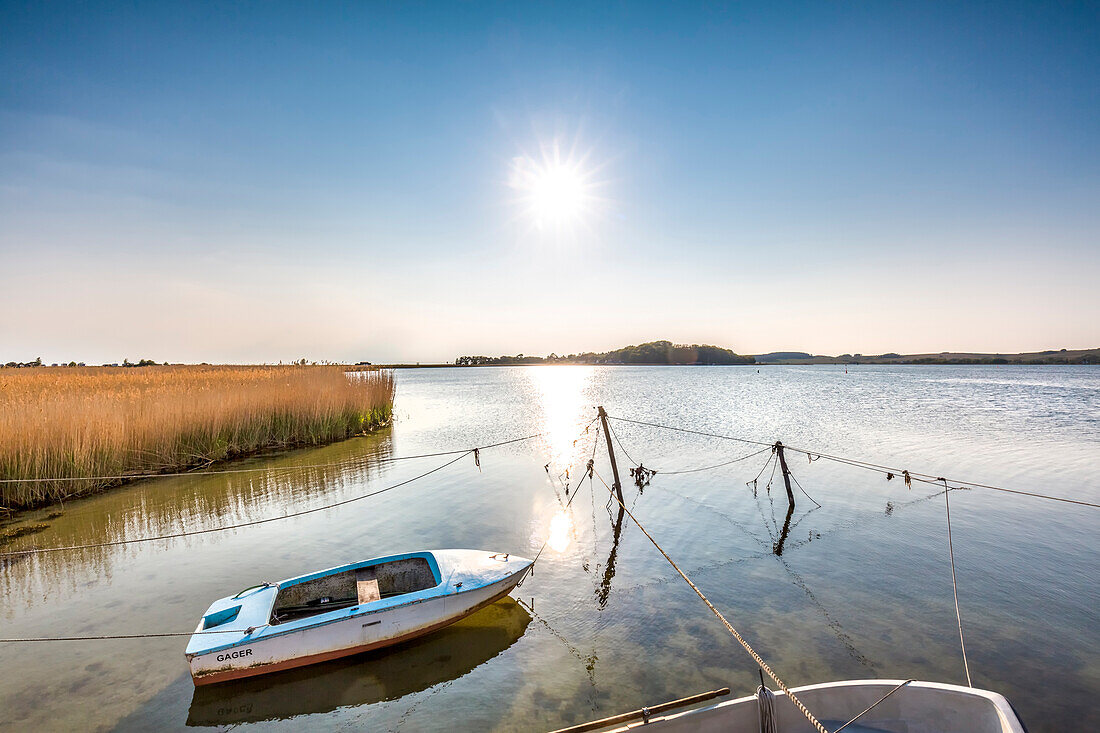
(561, 531)
(562, 397)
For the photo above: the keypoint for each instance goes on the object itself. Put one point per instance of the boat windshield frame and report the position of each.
(324, 609)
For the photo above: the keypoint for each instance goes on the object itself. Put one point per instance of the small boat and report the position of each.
(856, 706)
(388, 674)
(346, 610)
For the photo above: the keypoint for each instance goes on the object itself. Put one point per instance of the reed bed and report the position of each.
(65, 423)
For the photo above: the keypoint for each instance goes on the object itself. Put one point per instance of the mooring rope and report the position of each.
(872, 706)
(717, 465)
(104, 637)
(927, 478)
(729, 627)
(587, 472)
(369, 460)
(765, 704)
(954, 584)
(254, 522)
(588, 662)
(799, 485)
(622, 447)
(100, 637)
(461, 454)
(547, 542)
(688, 430)
(763, 468)
(219, 472)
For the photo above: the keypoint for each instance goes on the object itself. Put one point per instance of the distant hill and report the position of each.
(668, 353)
(1051, 356)
(779, 355)
(653, 353)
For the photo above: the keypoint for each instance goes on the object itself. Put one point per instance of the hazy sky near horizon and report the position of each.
(346, 181)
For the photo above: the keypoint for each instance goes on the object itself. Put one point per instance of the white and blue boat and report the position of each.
(346, 610)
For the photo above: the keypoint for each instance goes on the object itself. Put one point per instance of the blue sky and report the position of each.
(264, 181)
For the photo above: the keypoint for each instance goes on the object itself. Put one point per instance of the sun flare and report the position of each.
(558, 194)
(555, 191)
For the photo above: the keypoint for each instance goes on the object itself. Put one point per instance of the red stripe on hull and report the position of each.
(236, 674)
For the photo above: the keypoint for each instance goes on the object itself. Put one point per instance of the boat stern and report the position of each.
(230, 622)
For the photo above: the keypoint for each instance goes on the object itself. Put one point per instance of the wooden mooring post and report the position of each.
(786, 473)
(604, 591)
(611, 454)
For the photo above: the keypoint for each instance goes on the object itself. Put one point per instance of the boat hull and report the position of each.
(386, 674)
(353, 633)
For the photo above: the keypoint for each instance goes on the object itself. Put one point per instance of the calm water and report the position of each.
(862, 588)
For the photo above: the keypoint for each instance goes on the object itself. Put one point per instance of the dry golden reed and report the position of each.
(110, 421)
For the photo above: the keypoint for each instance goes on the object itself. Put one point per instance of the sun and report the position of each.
(558, 193)
(555, 191)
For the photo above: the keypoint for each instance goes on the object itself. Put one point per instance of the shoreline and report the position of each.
(14, 515)
(72, 432)
(815, 361)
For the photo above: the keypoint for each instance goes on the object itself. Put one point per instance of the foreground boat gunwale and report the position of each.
(1007, 717)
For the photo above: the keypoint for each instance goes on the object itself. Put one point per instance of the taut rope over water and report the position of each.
(729, 627)
(460, 455)
(954, 584)
(926, 478)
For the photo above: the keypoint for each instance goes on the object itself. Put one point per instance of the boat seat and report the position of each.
(367, 590)
(349, 587)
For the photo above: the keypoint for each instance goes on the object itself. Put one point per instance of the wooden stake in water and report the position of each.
(786, 473)
(611, 454)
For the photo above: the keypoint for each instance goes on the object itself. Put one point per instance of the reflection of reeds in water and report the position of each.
(76, 422)
(168, 505)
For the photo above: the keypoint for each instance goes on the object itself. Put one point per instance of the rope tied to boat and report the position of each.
(765, 706)
(265, 584)
(105, 637)
(252, 523)
(729, 627)
(589, 468)
(189, 533)
(531, 568)
(872, 706)
(954, 583)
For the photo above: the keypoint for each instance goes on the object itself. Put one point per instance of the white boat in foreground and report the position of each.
(345, 610)
(910, 707)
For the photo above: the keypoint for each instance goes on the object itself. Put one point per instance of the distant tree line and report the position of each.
(1051, 356)
(505, 360)
(651, 353)
(38, 363)
(1003, 360)
(25, 364)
